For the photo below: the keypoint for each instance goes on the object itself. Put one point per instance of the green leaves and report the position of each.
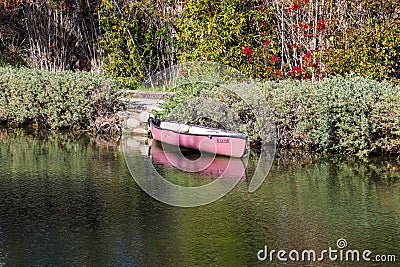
(371, 51)
(219, 30)
(56, 100)
(136, 40)
(346, 115)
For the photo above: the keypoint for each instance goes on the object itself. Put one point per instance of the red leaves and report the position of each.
(307, 70)
(321, 25)
(295, 7)
(274, 59)
(304, 26)
(308, 55)
(297, 70)
(247, 51)
(266, 42)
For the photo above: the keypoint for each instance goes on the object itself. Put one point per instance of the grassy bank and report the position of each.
(59, 100)
(346, 115)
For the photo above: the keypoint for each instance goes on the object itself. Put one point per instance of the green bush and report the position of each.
(232, 32)
(136, 40)
(58, 100)
(347, 115)
(372, 51)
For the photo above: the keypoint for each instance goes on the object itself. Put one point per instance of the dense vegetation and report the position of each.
(137, 38)
(61, 100)
(348, 115)
(50, 35)
(265, 39)
(329, 69)
(300, 39)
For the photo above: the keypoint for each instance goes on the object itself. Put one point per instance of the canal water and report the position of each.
(71, 201)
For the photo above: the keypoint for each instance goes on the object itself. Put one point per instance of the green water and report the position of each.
(71, 201)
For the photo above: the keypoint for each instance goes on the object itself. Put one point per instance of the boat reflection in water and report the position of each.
(195, 161)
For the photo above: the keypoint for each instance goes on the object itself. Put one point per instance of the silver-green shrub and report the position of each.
(346, 115)
(56, 100)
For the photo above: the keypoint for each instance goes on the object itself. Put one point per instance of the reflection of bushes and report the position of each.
(61, 100)
(341, 168)
(349, 115)
(66, 141)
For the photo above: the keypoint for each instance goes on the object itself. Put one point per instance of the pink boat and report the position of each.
(206, 139)
(206, 164)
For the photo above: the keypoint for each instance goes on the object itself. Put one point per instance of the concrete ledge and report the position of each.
(149, 94)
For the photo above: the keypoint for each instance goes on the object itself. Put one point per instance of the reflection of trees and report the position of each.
(307, 202)
(323, 199)
(56, 195)
(65, 200)
(75, 198)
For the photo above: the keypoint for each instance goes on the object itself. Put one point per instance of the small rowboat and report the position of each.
(205, 139)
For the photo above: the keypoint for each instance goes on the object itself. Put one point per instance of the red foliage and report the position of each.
(274, 59)
(295, 7)
(304, 26)
(247, 51)
(297, 70)
(321, 25)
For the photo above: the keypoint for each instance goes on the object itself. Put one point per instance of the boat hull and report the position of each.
(226, 145)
